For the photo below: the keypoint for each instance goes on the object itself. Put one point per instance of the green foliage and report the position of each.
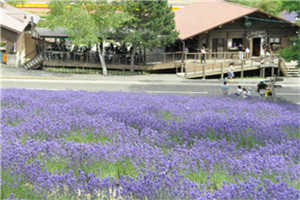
(291, 5)
(151, 24)
(211, 180)
(79, 23)
(87, 137)
(16, 2)
(272, 6)
(292, 52)
(21, 190)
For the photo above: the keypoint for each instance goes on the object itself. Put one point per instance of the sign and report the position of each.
(255, 34)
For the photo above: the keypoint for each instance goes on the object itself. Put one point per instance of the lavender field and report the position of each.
(66, 145)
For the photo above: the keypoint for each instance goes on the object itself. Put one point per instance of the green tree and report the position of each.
(269, 6)
(151, 25)
(291, 6)
(86, 22)
(292, 52)
(16, 2)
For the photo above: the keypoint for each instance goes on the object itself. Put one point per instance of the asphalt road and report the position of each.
(289, 92)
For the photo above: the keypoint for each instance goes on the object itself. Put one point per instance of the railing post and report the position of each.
(242, 70)
(272, 71)
(262, 71)
(278, 68)
(203, 71)
(222, 70)
(164, 57)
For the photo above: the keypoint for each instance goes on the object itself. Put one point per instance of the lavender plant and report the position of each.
(113, 145)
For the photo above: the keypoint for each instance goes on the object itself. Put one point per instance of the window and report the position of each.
(275, 43)
(236, 42)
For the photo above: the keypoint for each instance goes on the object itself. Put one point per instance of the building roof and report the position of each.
(11, 23)
(55, 33)
(204, 15)
(15, 19)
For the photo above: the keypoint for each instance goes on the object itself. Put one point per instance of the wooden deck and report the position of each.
(187, 65)
(149, 67)
(198, 70)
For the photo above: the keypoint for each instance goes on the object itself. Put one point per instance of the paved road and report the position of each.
(290, 92)
(163, 83)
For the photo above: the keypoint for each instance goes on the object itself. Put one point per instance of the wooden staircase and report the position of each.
(293, 71)
(194, 69)
(34, 63)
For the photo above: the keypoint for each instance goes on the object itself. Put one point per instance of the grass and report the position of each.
(89, 71)
(22, 190)
(212, 181)
(99, 168)
(87, 137)
(71, 70)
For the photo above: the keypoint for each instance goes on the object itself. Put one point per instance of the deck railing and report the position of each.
(178, 59)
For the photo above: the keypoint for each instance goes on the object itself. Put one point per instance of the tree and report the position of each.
(151, 25)
(291, 6)
(86, 22)
(273, 7)
(292, 52)
(16, 2)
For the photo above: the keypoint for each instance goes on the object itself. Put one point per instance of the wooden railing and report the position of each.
(220, 66)
(124, 59)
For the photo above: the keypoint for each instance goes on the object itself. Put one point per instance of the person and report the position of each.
(241, 52)
(225, 88)
(269, 92)
(230, 72)
(261, 87)
(203, 52)
(247, 53)
(239, 91)
(245, 93)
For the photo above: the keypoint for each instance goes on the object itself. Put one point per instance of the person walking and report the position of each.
(230, 72)
(203, 55)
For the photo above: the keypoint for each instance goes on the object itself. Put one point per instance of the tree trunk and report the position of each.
(102, 61)
(132, 59)
(145, 56)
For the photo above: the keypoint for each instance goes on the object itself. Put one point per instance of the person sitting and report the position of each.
(261, 87)
(268, 92)
(239, 91)
(225, 88)
(245, 93)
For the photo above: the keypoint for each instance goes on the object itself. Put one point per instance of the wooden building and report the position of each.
(223, 27)
(15, 29)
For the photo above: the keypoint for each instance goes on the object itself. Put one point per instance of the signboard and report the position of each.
(255, 34)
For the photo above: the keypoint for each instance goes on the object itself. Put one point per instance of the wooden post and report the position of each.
(278, 67)
(262, 71)
(272, 72)
(242, 70)
(164, 56)
(222, 70)
(203, 71)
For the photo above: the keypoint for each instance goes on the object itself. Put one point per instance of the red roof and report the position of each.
(207, 14)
